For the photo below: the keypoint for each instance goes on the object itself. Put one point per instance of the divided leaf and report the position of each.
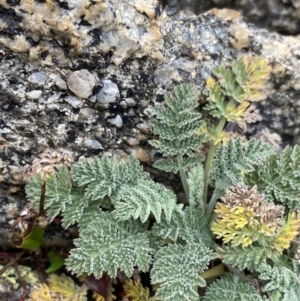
(233, 160)
(279, 179)
(139, 200)
(281, 281)
(196, 186)
(177, 124)
(106, 245)
(60, 196)
(247, 258)
(189, 225)
(176, 268)
(228, 289)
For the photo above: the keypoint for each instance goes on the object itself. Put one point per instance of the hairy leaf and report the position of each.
(247, 257)
(227, 289)
(233, 160)
(177, 123)
(189, 225)
(279, 179)
(176, 267)
(279, 280)
(106, 245)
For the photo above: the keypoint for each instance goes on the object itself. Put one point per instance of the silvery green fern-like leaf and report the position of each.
(143, 198)
(247, 257)
(279, 179)
(131, 191)
(293, 294)
(196, 186)
(106, 245)
(176, 146)
(227, 80)
(228, 289)
(177, 123)
(107, 183)
(173, 166)
(235, 159)
(189, 225)
(176, 268)
(167, 131)
(60, 196)
(279, 280)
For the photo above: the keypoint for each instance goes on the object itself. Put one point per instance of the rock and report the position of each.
(81, 83)
(141, 154)
(35, 94)
(109, 92)
(93, 144)
(144, 127)
(131, 141)
(279, 15)
(75, 102)
(38, 78)
(87, 112)
(240, 38)
(18, 44)
(117, 121)
(130, 102)
(60, 83)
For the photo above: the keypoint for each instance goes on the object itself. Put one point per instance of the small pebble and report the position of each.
(117, 121)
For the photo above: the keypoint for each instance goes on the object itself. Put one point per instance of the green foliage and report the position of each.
(247, 258)
(280, 281)
(114, 202)
(130, 190)
(196, 185)
(108, 183)
(60, 196)
(279, 179)
(56, 262)
(189, 225)
(176, 267)
(107, 244)
(293, 294)
(229, 289)
(33, 240)
(233, 160)
(177, 125)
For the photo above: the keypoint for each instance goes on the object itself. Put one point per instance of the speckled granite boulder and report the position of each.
(276, 15)
(85, 75)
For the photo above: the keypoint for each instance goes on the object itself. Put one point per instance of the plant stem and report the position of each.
(12, 261)
(210, 207)
(235, 271)
(214, 272)
(209, 159)
(183, 178)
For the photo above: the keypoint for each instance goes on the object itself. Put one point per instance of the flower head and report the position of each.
(244, 217)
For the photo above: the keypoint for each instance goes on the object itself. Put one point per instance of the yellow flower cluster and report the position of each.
(240, 226)
(244, 218)
(287, 232)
